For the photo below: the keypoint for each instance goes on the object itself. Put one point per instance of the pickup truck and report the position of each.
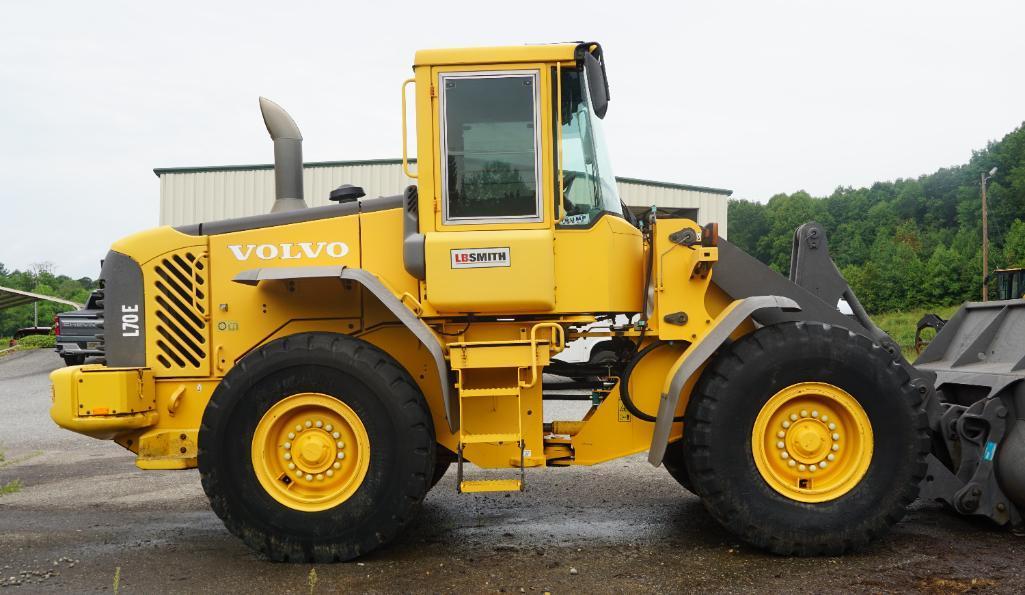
(80, 333)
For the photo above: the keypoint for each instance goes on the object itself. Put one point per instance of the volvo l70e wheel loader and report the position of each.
(324, 366)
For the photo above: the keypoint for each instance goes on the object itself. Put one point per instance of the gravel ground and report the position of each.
(86, 515)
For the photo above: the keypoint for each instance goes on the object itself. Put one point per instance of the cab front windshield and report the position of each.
(588, 185)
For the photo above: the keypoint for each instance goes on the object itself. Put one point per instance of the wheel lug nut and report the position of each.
(830, 457)
(793, 417)
(781, 434)
(337, 466)
(340, 444)
(836, 436)
(309, 477)
(836, 447)
(329, 427)
(291, 435)
(814, 413)
(780, 444)
(336, 435)
(822, 464)
(784, 455)
(319, 424)
(791, 463)
(298, 428)
(786, 424)
(330, 472)
(288, 456)
(341, 455)
(288, 446)
(812, 467)
(825, 418)
(802, 468)
(308, 423)
(832, 426)
(804, 413)
(320, 477)
(291, 466)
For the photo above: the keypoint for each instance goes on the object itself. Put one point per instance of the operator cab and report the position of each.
(515, 184)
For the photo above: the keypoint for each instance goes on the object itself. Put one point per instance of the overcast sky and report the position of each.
(760, 97)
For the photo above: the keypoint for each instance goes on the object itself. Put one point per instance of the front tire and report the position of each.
(316, 448)
(805, 439)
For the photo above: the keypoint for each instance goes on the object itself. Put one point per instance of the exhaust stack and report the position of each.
(288, 157)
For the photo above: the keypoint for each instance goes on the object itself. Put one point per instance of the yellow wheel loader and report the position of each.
(324, 366)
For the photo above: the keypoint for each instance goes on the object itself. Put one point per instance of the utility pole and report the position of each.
(985, 242)
(983, 178)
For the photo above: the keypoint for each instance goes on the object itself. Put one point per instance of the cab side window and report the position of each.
(490, 140)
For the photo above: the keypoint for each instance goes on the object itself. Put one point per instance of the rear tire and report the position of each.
(396, 452)
(748, 377)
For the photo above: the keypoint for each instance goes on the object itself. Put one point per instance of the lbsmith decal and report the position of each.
(478, 258)
(289, 251)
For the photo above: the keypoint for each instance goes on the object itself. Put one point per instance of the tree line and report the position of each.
(909, 243)
(40, 278)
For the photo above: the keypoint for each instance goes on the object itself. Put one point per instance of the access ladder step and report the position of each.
(472, 486)
(489, 438)
(501, 391)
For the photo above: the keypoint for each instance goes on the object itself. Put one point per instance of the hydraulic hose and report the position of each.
(624, 383)
(647, 282)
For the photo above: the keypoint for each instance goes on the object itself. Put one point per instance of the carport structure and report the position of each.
(10, 298)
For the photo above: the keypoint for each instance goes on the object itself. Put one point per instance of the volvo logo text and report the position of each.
(289, 251)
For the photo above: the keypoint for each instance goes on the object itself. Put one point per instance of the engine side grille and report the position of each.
(179, 314)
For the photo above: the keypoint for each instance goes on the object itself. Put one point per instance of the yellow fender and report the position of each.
(695, 356)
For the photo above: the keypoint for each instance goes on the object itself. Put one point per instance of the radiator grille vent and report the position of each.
(180, 312)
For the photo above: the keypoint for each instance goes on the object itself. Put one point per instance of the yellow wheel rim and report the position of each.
(812, 442)
(310, 452)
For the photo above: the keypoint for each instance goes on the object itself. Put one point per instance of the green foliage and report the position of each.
(1014, 245)
(37, 342)
(901, 325)
(40, 279)
(909, 243)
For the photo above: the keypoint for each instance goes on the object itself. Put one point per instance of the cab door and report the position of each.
(491, 249)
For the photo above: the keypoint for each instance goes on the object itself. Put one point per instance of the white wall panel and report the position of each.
(198, 195)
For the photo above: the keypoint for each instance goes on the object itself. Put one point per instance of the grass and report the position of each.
(901, 325)
(11, 486)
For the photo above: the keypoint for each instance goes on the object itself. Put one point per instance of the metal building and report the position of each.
(200, 194)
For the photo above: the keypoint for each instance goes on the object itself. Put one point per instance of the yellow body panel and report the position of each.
(147, 245)
(599, 269)
(523, 280)
(243, 316)
(167, 449)
(103, 402)
(556, 52)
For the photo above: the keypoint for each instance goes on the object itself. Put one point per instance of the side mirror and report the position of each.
(597, 84)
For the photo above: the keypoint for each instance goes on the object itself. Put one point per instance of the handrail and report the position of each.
(558, 343)
(405, 160)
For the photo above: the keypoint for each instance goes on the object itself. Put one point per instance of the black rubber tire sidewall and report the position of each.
(73, 360)
(720, 418)
(675, 464)
(389, 405)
